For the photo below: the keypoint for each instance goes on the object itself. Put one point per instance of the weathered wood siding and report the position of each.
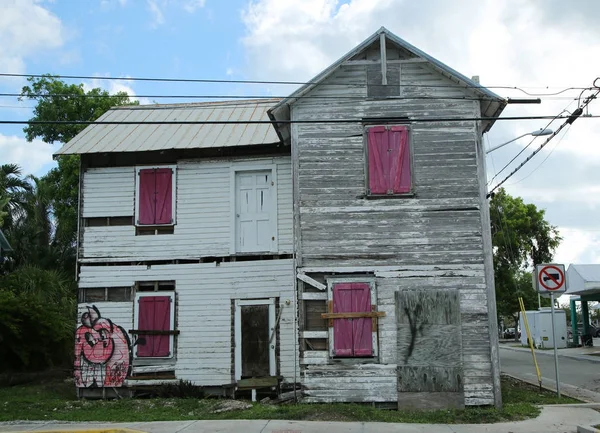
(203, 212)
(204, 293)
(433, 240)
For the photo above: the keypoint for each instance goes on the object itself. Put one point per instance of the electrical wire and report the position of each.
(545, 159)
(296, 83)
(268, 122)
(530, 142)
(341, 97)
(570, 119)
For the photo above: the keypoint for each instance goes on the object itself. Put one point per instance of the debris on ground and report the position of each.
(229, 405)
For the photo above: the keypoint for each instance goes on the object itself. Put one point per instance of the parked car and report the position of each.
(593, 330)
(510, 333)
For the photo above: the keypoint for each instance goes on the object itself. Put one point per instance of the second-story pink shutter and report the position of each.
(154, 314)
(361, 328)
(147, 202)
(399, 152)
(377, 144)
(342, 328)
(164, 196)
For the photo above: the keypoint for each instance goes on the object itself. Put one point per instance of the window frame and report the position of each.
(136, 316)
(234, 169)
(368, 193)
(331, 281)
(173, 194)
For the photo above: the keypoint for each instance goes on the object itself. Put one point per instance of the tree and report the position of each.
(12, 189)
(59, 101)
(521, 238)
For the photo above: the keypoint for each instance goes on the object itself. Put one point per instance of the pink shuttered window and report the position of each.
(352, 337)
(154, 314)
(389, 160)
(155, 196)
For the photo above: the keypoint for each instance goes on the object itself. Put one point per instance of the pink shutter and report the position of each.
(342, 328)
(147, 187)
(399, 160)
(164, 196)
(154, 314)
(361, 328)
(377, 143)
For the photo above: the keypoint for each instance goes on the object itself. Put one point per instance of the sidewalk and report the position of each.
(552, 419)
(591, 354)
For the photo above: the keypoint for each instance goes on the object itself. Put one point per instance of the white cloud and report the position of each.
(157, 15)
(192, 5)
(34, 158)
(540, 45)
(157, 8)
(26, 30)
(114, 86)
(578, 246)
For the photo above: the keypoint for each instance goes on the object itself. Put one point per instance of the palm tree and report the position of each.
(12, 189)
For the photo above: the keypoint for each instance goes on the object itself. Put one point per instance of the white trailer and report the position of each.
(540, 326)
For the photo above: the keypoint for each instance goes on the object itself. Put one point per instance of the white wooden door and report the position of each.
(255, 225)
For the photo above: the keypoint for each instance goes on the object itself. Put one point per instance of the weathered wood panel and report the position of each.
(203, 212)
(203, 317)
(429, 345)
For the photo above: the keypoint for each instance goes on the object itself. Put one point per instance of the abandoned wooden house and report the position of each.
(392, 236)
(185, 250)
(344, 245)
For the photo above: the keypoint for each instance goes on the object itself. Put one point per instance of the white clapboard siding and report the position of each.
(108, 192)
(205, 293)
(120, 313)
(203, 213)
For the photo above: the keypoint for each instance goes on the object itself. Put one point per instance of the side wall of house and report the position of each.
(203, 212)
(430, 241)
(204, 293)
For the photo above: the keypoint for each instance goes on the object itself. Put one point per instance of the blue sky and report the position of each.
(540, 45)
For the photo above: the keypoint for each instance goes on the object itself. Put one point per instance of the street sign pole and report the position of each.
(555, 348)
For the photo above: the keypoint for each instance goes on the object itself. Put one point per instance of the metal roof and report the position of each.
(4, 245)
(139, 137)
(583, 279)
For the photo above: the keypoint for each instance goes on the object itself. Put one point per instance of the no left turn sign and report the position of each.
(550, 278)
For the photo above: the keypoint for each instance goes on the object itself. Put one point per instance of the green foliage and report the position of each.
(59, 101)
(521, 238)
(37, 319)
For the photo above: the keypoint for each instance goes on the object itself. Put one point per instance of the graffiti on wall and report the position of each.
(102, 352)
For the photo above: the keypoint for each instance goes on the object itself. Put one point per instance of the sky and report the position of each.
(540, 46)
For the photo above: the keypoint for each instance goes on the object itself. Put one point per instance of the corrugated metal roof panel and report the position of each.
(139, 137)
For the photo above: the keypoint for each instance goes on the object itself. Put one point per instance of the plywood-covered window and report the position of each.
(154, 324)
(353, 319)
(155, 196)
(389, 160)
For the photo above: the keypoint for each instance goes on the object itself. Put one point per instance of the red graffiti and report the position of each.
(102, 352)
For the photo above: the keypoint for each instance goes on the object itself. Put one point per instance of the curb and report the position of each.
(562, 390)
(92, 430)
(588, 358)
(587, 429)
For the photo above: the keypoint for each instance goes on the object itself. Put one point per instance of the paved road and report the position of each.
(576, 376)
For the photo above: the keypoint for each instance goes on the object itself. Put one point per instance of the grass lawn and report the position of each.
(56, 400)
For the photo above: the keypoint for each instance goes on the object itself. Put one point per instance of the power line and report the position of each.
(569, 121)
(296, 83)
(342, 97)
(286, 122)
(545, 159)
(528, 144)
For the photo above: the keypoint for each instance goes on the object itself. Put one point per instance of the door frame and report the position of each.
(233, 196)
(239, 303)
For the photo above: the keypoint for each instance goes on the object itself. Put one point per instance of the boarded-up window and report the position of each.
(389, 160)
(155, 192)
(352, 336)
(154, 314)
